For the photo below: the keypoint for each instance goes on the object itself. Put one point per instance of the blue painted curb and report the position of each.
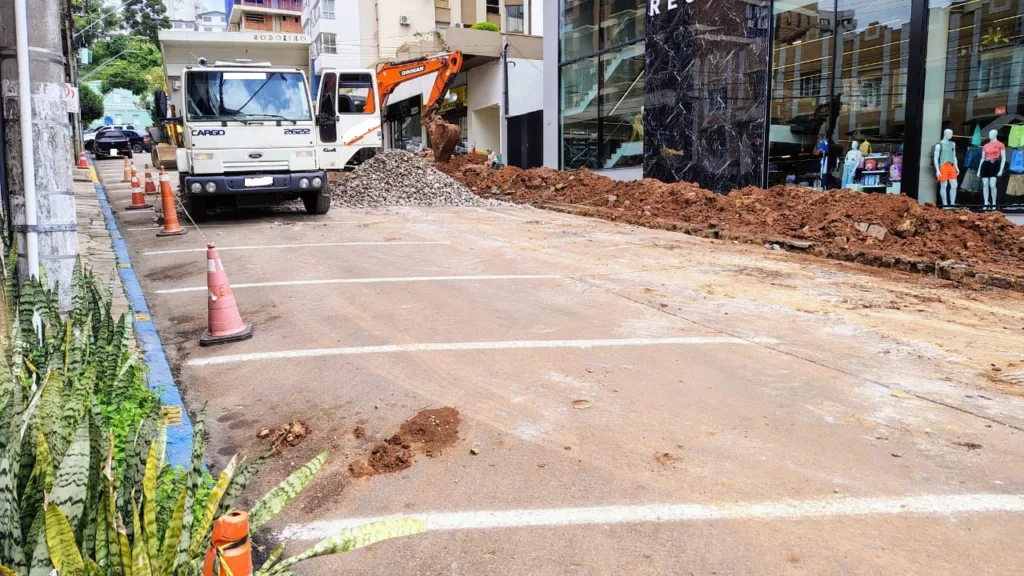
(179, 437)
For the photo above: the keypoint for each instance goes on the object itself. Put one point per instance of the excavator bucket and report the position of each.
(443, 138)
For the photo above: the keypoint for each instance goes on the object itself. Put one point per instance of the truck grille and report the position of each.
(257, 166)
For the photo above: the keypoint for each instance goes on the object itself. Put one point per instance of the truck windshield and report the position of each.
(214, 95)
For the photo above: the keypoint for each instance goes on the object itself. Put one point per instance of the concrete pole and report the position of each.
(55, 222)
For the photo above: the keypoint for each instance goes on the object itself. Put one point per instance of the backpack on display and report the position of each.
(1017, 161)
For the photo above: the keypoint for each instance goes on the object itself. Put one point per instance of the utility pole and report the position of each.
(39, 162)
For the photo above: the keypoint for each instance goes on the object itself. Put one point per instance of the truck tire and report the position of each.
(318, 202)
(195, 205)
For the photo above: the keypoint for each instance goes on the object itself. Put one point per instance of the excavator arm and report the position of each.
(443, 136)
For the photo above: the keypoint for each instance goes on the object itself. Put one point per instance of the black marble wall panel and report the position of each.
(706, 91)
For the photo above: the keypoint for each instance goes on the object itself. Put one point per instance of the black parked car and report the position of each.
(141, 141)
(111, 143)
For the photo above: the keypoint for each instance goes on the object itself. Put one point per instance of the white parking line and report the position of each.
(309, 245)
(925, 504)
(458, 346)
(368, 281)
(241, 223)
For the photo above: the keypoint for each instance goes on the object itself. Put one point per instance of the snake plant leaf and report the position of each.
(140, 557)
(357, 537)
(195, 478)
(60, 540)
(41, 481)
(50, 416)
(5, 571)
(149, 503)
(172, 536)
(202, 528)
(11, 545)
(246, 472)
(278, 497)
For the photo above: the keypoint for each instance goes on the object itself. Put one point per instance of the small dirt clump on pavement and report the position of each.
(290, 434)
(427, 433)
(886, 230)
(399, 178)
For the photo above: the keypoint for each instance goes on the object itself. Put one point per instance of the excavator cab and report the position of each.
(347, 116)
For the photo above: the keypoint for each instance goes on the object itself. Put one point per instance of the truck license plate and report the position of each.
(263, 181)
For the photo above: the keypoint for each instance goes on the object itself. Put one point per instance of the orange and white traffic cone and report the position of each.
(225, 323)
(230, 548)
(138, 200)
(171, 225)
(147, 180)
(82, 162)
(127, 170)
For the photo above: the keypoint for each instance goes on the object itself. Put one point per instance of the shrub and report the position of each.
(486, 26)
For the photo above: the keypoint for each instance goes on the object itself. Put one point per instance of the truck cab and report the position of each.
(348, 119)
(248, 138)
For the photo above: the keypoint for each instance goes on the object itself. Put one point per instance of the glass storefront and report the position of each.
(974, 71)
(601, 83)
(916, 97)
(839, 74)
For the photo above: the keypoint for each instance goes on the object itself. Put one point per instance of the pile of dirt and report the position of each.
(285, 435)
(884, 230)
(429, 432)
(399, 178)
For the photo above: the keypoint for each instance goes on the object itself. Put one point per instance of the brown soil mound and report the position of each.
(428, 433)
(884, 230)
(434, 430)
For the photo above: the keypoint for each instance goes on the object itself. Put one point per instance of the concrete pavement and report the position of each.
(749, 412)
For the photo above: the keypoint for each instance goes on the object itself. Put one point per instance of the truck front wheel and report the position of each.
(318, 202)
(195, 205)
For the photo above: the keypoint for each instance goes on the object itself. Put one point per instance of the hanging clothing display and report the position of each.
(1016, 138)
(1015, 187)
(972, 182)
(976, 138)
(972, 157)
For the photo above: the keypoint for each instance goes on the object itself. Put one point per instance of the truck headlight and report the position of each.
(211, 186)
(303, 182)
(196, 187)
(317, 182)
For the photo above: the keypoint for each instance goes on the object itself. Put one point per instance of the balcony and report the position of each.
(285, 5)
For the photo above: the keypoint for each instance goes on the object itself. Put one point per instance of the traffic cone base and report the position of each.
(171, 225)
(208, 339)
(224, 321)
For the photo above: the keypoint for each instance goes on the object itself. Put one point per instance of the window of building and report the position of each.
(327, 43)
(717, 99)
(207, 29)
(514, 22)
(810, 86)
(207, 19)
(870, 92)
(327, 9)
(254, 18)
(973, 84)
(622, 21)
(493, 7)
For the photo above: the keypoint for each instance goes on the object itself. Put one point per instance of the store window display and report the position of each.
(947, 168)
(974, 89)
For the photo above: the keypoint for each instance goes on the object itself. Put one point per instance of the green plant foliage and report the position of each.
(486, 26)
(92, 104)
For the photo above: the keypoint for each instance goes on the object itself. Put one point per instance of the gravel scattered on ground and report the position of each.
(399, 178)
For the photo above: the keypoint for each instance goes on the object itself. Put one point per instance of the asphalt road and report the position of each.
(743, 411)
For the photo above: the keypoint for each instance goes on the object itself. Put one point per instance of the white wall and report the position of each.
(392, 34)
(485, 129)
(552, 143)
(524, 81)
(536, 15)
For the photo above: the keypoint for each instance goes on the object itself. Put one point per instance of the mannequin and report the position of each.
(854, 159)
(946, 167)
(993, 160)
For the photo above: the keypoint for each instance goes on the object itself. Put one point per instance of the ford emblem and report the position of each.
(255, 155)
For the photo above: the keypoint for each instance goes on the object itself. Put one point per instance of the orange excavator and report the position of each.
(442, 136)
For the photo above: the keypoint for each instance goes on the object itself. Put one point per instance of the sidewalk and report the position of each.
(94, 242)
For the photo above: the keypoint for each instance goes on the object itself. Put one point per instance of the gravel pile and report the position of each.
(399, 178)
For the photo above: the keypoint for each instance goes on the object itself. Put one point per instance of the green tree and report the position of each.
(94, 19)
(145, 18)
(91, 103)
(136, 65)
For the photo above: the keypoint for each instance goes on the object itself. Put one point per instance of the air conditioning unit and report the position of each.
(403, 20)
(457, 24)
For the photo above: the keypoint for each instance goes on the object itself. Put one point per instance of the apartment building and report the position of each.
(366, 33)
(197, 15)
(284, 16)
